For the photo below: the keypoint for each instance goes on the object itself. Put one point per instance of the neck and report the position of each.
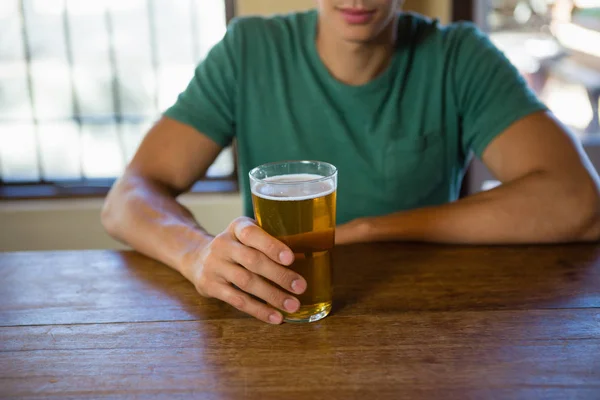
(355, 63)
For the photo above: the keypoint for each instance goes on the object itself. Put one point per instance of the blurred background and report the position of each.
(555, 44)
(81, 81)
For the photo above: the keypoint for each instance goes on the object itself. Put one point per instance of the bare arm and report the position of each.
(142, 211)
(550, 194)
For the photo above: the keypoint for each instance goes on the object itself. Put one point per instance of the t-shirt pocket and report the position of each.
(415, 170)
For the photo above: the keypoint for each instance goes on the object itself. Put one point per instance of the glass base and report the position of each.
(306, 314)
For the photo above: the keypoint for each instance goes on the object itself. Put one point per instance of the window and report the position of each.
(555, 45)
(82, 81)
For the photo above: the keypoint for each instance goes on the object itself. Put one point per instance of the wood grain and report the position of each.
(103, 286)
(517, 351)
(411, 321)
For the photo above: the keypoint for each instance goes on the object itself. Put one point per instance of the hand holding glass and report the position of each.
(295, 202)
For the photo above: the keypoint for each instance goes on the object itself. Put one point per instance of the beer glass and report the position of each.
(295, 201)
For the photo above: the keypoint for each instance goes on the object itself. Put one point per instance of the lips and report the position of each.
(356, 16)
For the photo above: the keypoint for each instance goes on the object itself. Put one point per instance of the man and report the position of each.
(397, 103)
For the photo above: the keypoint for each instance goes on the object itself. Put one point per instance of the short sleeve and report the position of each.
(208, 102)
(490, 93)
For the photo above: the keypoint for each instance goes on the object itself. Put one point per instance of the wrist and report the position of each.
(394, 227)
(355, 231)
(187, 258)
(366, 229)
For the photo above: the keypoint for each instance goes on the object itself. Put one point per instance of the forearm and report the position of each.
(537, 208)
(148, 218)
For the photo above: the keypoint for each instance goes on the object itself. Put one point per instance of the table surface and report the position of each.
(410, 321)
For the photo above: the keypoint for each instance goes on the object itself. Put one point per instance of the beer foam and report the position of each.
(282, 192)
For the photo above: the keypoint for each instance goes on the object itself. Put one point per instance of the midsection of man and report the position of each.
(396, 140)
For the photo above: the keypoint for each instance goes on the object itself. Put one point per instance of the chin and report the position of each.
(358, 35)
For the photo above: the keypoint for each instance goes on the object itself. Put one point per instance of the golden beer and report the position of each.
(298, 208)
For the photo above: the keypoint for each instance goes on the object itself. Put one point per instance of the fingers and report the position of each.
(252, 260)
(260, 264)
(251, 283)
(249, 234)
(245, 303)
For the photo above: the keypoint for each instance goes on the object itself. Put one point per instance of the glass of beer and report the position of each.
(295, 201)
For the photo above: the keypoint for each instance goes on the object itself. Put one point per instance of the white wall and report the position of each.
(75, 224)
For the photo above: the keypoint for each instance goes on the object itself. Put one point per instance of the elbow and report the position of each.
(588, 215)
(591, 232)
(109, 214)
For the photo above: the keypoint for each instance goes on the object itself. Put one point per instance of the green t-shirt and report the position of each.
(400, 141)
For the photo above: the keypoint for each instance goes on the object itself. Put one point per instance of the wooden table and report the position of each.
(411, 321)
